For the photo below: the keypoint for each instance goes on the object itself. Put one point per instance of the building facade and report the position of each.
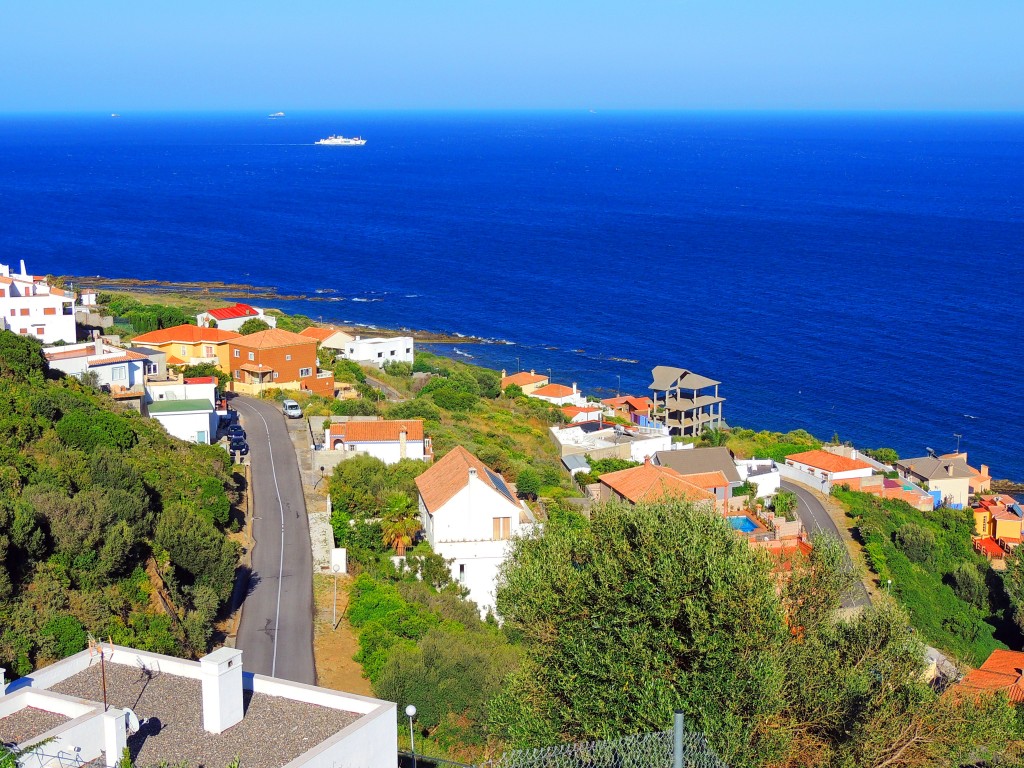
(276, 359)
(29, 306)
(191, 345)
(388, 440)
(232, 318)
(685, 402)
(379, 351)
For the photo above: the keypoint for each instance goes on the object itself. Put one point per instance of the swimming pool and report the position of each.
(742, 523)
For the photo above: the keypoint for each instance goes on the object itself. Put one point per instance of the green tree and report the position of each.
(784, 504)
(884, 455)
(528, 483)
(253, 325)
(21, 357)
(512, 391)
(200, 370)
(714, 437)
(916, 542)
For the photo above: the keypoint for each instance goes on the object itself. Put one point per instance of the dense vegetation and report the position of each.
(954, 600)
(650, 608)
(145, 317)
(88, 494)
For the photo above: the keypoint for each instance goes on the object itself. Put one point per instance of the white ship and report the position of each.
(276, 114)
(343, 141)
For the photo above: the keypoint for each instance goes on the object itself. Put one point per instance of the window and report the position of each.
(275, 374)
(392, 353)
(24, 312)
(184, 351)
(502, 528)
(201, 436)
(118, 373)
(380, 354)
(208, 351)
(303, 372)
(462, 573)
(49, 310)
(408, 351)
(238, 375)
(238, 353)
(288, 358)
(252, 355)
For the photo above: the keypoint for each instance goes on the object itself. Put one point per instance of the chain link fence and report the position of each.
(679, 748)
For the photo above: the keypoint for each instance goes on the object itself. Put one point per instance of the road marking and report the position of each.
(280, 567)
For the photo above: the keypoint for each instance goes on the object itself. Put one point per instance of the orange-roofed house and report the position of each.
(828, 466)
(559, 394)
(651, 483)
(328, 338)
(577, 415)
(388, 440)
(998, 521)
(528, 382)
(469, 515)
(232, 318)
(29, 306)
(277, 359)
(1002, 671)
(191, 344)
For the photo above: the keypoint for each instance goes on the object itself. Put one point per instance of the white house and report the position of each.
(116, 368)
(81, 709)
(559, 394)
(31, 307)
(378, 351)
(390, 441)
(830, 467)
(180, 388)
(232, 318)
(762, 474)
(193, 420)
(469, 516)
(604, 440)
(328, 338)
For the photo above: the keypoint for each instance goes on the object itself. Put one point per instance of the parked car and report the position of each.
(235, 431)
(292, 409)
(239, 446)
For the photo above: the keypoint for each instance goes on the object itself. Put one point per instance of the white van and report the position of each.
(292, 409)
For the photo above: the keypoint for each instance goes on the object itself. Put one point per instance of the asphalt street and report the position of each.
(276, 632)
(815, 519)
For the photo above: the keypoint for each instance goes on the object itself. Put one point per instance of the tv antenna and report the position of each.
(96, 647)
(957, 441)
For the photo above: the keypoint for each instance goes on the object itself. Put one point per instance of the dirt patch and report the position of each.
(333, 649)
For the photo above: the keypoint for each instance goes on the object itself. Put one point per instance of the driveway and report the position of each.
(276, 632)
(816, 519)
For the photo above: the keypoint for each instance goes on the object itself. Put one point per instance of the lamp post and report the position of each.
(957, 436)
(519, 366)
(888, 586)
(618, 388)
(410, 711)
(322, 470)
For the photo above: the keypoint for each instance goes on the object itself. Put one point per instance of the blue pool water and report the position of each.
(743, 524)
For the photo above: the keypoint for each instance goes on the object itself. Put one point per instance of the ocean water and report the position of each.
(847, 274)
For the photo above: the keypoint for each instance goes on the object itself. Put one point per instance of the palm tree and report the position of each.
(714, 437)
(400, 524)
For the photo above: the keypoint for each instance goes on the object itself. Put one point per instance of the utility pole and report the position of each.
(957, 441)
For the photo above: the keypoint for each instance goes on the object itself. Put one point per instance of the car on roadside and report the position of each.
(291, 409)
(239, 446)
(235, 431)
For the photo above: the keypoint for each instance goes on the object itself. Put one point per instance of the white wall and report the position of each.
(179, 390)
(642, 449)
(377, 351)
(767, 484)
(388, 452)
(234, 323)
(822, 474)
(49, 329)
(187, 426)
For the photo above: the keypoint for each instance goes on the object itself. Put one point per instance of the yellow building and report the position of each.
(999, 517)
(190, 345)
(528, 382)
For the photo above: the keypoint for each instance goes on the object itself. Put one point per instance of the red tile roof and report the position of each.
(377, 431)
(573, 411)
(186, 334)
(172, 360)
(650, 482)
(232, 313)
(451, 474)
(635, 403)
(707, 480)
(320, 334)
(1001, 671)
(271, 338)
(553, 390)
(829, 462)
(128, 356)
(522, 379)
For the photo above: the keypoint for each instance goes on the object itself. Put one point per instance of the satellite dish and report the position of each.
(131, 722)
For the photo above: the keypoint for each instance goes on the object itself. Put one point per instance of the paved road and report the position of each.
(276, 633)
(815, 518)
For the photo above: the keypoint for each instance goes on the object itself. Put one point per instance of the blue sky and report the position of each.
(483, 54)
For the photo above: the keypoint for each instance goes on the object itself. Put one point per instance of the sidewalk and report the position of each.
(314, 489)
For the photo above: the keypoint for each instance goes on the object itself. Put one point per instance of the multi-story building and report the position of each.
(685, 402)
(233, 318)
(31, 307)
(378, 351)
(276, 359)
(190, 345)
(469, 516)
(948, 480)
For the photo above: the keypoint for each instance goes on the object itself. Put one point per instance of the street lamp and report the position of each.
(334, 622)
(618, 389)
(322, 470)
(410, 711)
(519, 366)
(888, 586)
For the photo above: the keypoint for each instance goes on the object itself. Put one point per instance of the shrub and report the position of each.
(396, 368)
(65, 634)
(969, 585)
(253, 325)
(916, 542)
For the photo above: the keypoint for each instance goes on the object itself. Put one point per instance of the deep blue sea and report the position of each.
(846, 273)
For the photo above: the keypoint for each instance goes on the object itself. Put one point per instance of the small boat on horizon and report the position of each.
(342, 141)
(275, 114)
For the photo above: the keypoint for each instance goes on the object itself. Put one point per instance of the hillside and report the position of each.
(88, 495)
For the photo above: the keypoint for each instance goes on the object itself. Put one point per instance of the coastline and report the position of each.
(203, 294)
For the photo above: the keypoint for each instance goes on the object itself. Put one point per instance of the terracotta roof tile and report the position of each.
(649, 482)
(377, 431)
(172, 360)
(829, 462)
(233, 313)
(186, 334)
(271, 338)
(320, 334)
(447, 477)
(522, 379)
(553, 390)
(707, 480)
(1002, 671)
(128, 356)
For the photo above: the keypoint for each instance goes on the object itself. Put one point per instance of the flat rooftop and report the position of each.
(274, 731)
(28, 723)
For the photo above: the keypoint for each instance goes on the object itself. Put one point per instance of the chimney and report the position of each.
(984, 469)
(23, 272)
(574, 387)
(949, 469)
(533, 372)
(221, 675)
(403, 435)
(472, 473)
(98, 347)
(503, 373)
